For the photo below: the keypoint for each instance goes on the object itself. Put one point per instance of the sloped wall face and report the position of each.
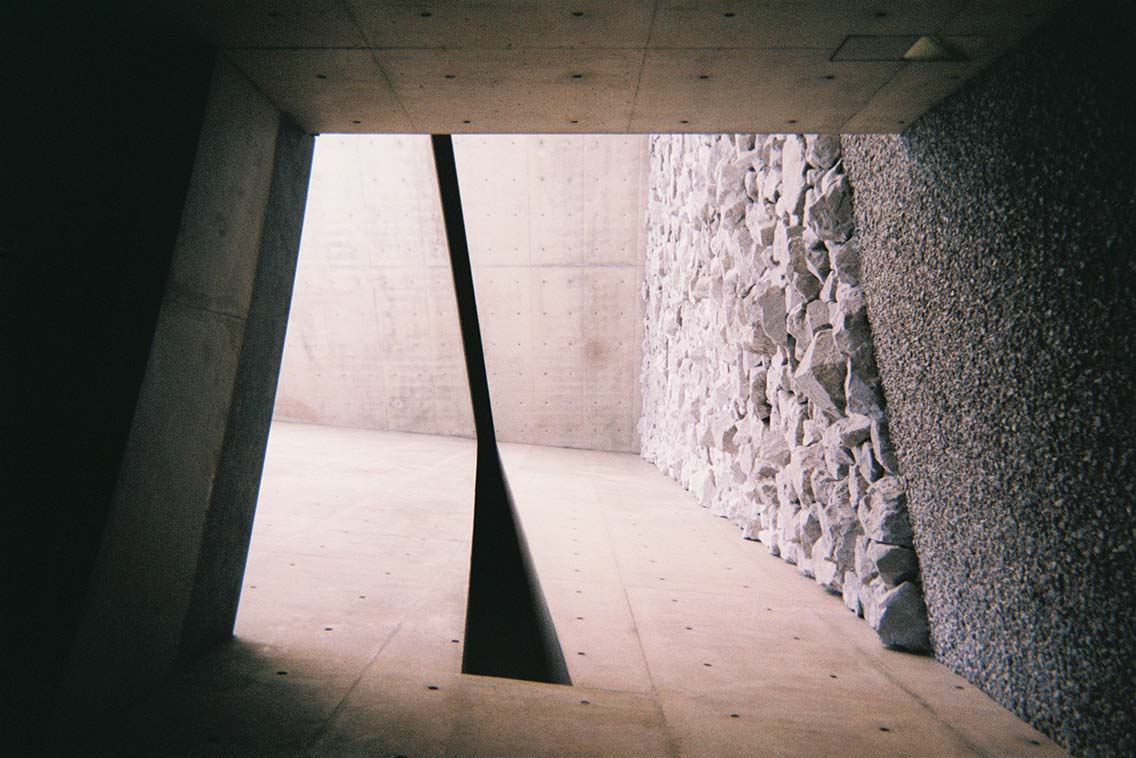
(760, 391)
(998, 237)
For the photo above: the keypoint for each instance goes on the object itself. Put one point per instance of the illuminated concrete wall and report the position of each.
(556, 233)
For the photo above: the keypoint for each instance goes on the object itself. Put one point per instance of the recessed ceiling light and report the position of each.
(927, 49)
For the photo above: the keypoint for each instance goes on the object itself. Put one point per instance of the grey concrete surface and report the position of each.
(212, 609)
(555, 225)
(501, 66)
(997, 237)
(682, 639)
(176, 471)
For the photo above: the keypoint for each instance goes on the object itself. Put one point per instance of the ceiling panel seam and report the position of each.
(386, 76)
(642, 64)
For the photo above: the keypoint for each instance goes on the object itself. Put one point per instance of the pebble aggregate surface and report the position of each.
(998, 253)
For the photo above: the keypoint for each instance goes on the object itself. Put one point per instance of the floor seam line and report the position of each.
(671, 739)
(966, 742)
(324, 727)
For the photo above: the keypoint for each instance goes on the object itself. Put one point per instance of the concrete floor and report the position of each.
(681, 638)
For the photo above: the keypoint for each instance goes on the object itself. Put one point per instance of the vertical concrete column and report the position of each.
(173, 549)
(228, 521)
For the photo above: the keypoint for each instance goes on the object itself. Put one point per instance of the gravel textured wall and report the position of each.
(760, 391)
(998, 237)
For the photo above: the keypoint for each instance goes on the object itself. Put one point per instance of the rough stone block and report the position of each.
(830, 214)
(902, 619)
(887, 519)
(823, 150)
(895, 564)
(821, 374)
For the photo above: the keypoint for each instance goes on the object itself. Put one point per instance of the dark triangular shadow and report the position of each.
(508, 630)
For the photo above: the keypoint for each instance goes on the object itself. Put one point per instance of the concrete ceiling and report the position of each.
(520, 66)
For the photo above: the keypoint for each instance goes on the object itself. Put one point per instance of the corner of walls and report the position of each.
(760, 389)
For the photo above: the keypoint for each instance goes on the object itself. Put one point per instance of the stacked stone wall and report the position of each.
(760, 389)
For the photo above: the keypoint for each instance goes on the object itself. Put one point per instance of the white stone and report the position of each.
(823, 150)
(759, 385)
(821, 374)
(829, 214)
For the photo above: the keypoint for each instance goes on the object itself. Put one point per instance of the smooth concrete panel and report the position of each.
(559, 90)
(272, 23)
(147, 565)
(228, 526)
(584, 218)
(310, 84)
(495, 201)
(419, 351)
(209, 273)
(140, 590)
(504, 24)
(784, 90)
(818, 24)
(509, 66)
(333, 376)
(556, 235)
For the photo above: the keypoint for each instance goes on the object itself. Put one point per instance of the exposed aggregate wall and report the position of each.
(998, 237)
(760, 390)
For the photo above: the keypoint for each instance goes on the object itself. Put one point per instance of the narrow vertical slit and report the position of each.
(508, 629)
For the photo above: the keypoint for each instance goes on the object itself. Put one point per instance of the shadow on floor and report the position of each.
(238, 699)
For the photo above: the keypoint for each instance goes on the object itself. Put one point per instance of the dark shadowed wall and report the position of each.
(999, 249)
(99, 144)
(168, 573)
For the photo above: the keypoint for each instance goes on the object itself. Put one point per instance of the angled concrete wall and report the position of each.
(192, 459)
(997, 238)
(556, 236)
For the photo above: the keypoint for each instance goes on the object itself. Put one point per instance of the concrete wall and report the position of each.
(167, 576)
(556, 237)
(997, 237)
(99, 147)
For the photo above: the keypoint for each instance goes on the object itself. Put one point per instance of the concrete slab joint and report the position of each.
(759, 382)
